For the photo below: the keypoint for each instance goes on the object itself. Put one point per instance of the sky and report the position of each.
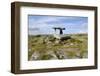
(41, 24)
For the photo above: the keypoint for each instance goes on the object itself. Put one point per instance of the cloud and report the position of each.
(44, 24)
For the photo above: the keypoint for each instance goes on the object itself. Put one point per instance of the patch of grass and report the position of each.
(46, 57)
(71, 54)
(74, 47)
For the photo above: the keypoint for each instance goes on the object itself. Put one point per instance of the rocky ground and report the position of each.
(46, 47)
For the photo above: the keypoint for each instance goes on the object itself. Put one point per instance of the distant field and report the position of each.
(46, 47)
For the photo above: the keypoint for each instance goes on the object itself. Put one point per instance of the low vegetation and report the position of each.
(47, 47)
